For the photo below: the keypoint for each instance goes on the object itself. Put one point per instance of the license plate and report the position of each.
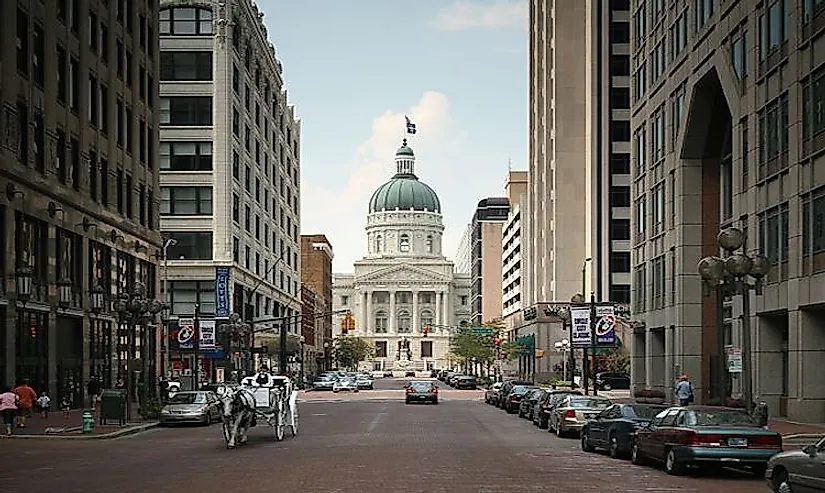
(737, 442)
(422, 397)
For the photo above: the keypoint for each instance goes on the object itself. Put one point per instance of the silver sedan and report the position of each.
(191, 407)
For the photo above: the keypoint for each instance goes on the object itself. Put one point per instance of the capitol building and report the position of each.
(404, 283)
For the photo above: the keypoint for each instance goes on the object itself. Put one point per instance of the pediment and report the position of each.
(404, 273)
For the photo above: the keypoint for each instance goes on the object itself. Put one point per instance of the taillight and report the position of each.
(694, 439)
(570, 414)
(435, 390)
(409, 390)
(513, 398)
(765, 441)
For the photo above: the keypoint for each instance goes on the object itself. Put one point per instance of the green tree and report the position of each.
(615, 360)
(474, 350)
(348, 351)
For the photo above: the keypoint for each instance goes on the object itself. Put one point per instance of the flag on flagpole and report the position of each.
(410, 126)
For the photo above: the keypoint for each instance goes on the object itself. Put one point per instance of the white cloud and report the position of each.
(466, 14)
(340, 211)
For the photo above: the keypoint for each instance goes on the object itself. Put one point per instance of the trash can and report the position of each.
(113, 406)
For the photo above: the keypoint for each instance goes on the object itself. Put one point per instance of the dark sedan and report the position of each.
(505, 391)
(465, 382)
(514, 397)
(546, 403)
(614, 427)
(530, 400)
(421, 391)
(681, 437)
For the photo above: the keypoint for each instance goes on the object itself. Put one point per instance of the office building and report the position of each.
(79, 208)
(726, 119)
(464, 252)
(511, 267)
(316, 274)
(230, 161)
(485, 259)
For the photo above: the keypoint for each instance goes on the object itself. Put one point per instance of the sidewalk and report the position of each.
(792, 429)
(56, 425)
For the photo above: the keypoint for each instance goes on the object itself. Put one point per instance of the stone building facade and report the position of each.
(316, 273)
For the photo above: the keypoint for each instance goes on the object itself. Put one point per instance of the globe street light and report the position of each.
(570, 362)
(731, 276)
(563, 346)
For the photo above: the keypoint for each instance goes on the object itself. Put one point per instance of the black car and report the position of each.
(505, 390)
(611, 380)
(614, 427)
(421, 391)
(546, 402)
(465, 382)
(531, 398)
(513, 400)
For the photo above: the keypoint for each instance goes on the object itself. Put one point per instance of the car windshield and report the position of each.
(718, 417)
(643, 412)
(421, 386)
(592, 403)
(188, 398)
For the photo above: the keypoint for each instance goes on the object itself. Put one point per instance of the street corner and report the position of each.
(98, 433)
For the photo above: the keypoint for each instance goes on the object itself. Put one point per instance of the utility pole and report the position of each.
(197, 371)
(282, 347)
(167, 363)
(593, 340)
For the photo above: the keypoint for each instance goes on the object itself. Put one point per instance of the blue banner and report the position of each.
(222, 302)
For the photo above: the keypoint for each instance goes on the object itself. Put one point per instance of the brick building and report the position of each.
(316, 274)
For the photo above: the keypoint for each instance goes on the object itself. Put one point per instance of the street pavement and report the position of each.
(359, 446)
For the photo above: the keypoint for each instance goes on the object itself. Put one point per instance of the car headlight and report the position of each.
(165, 411)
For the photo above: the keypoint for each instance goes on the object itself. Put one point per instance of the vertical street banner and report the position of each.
(605, 325)
(222, 282)
(580, 318)
(207, 330)
(186, 333)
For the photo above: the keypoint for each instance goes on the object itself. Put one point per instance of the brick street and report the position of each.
(363, 446)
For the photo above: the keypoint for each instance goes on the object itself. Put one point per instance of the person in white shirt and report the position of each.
(44, 402)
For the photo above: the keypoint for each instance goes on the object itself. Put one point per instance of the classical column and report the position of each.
(367, 324)
(447, 306)
(438, 319)
(415, 325)
(392, 328)
(363, 317)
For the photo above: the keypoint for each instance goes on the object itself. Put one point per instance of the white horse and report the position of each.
(238, 415)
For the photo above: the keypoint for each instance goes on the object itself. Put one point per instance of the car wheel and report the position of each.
(780, 482)
(607, 387)
(435, 402)
(407, 401)
(543, 423)
(334, 391)
(672, 466)
(636, 454)
(586, 445)
(759, 471)
(559, 432)
(613, 446)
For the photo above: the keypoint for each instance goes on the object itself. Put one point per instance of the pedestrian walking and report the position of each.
(93, 391)
(44, 402)
(684, 391)
(66, 406)
(8, 408)
(27, 397)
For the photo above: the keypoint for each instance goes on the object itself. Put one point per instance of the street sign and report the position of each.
(483, 330)
(734, 354)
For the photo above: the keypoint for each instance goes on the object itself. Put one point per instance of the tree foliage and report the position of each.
(618, 361)
(468, 347)
(348, 351)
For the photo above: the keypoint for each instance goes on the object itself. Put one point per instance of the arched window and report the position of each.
(379, 244)
(427, 320)
(381, 322)
(404, 243)
(463, 323)
(404, 322)
(429, 244)
(186, 21)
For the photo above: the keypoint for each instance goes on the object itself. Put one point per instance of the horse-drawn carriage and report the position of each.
(264, 396)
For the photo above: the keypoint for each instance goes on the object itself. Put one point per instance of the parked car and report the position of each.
(201, 407)
(434, 373)
(465, 382)
(514, 397)
(421, 391)
(610, 380)
(388, 374)
(796, 470)
(324, 382)
(546, 403)
(525, 408)
(346, 384)
(613, 428)
(409, 373)
(491, 394)
(506, 388)
(570, 415)
(364, 381)
(682, 437)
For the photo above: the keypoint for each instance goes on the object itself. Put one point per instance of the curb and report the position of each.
(803, 436)
(131, 430)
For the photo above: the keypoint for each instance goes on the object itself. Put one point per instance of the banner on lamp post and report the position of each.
(580, 320)
(207, 330)
(605, 325)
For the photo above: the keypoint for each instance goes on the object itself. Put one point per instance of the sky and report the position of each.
(354, 69)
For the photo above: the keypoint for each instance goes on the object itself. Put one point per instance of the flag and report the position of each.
(410, 126)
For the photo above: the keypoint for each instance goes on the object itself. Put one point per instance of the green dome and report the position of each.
(404, 150)
(405, 192)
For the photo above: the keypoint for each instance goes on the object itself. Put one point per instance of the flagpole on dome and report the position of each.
(411, 127)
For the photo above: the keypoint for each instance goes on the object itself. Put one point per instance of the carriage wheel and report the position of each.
(279, 424)
(226, 433)
(295, 421)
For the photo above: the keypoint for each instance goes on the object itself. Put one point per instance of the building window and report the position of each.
(619, 196)
(620, 131)
(620, 65)
(22, 42)
(427, 319)
(813, 104)
(191, 245)
(658, 270)
(726, 184)
(404, 322)
(380, 322)
(677, 112)
(619, 164)
(641, 216)
(619, 32)
(404, 243)
(773, 234)
(640, 82)
(658, 134)
(186, 201)
(429, 244)
(620, 293)
(640, 149)
(620, 229)
(619, 261)
(620, 98)
(185, 21)
(640, 24)
(703, 9)
(639, 287)
(184, 295)
(773, 129)
(381, 349)
(813, 224)
(679, 35)
(774, 28)
(185, 65)
(658, 61)
(426, 349)
(379, 244)
(658, 207)
(186, 156)
(739, 54)
(186, 111)
(811, 8)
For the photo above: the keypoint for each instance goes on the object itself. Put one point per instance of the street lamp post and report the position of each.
(732, 275)
(236, 330)
(563, 346)
(578, 299)
(303, 341)
(167, 353)
(327, 356)
(134, 308)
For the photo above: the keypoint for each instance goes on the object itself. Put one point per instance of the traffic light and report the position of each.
(347, 323)
(425, 330)
(498, 341)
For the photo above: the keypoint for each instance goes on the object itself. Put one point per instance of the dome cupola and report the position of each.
(404, 191)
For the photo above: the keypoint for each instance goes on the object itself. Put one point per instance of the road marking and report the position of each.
(319, 414)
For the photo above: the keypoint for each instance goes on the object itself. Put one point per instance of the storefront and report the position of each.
(69, 354)
(31, 353)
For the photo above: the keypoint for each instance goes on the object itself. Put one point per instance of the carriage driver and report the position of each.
(263, 378)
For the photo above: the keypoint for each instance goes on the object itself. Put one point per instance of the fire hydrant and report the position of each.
(88, 422)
